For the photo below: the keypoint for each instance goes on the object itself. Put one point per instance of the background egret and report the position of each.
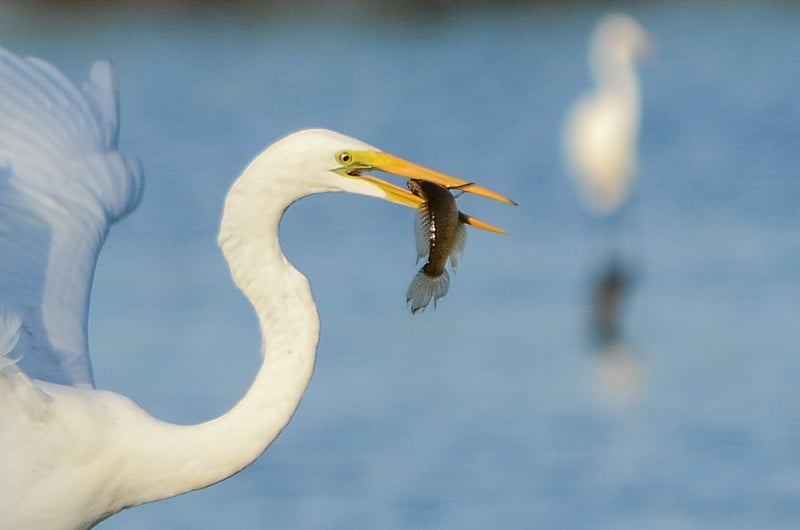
(602, 127)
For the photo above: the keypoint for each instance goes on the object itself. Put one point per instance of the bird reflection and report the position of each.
(607, 298)
(599, 144)
(619, 371)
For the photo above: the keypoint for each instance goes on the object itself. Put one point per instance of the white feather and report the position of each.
(73, 455)
(601, 129)
(10, 325)
(62, 183)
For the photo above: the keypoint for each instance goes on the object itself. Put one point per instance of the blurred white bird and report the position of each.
(601, 128)
(72, 455)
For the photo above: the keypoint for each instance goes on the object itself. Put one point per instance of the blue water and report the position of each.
(491, 411)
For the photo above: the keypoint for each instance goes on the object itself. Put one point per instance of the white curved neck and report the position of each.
(616, 74)
(185, 458)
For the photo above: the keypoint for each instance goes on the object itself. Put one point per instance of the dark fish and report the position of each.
(440, 234)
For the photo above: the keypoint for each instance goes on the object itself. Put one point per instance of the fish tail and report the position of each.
(425, 288)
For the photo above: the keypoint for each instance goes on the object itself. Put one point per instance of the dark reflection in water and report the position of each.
(609, 291)
(618, 369)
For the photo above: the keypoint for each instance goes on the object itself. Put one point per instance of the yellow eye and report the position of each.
(344, 157)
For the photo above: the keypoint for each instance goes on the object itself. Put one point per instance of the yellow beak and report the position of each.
(376, 160)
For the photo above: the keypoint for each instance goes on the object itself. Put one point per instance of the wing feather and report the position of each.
(62, 184)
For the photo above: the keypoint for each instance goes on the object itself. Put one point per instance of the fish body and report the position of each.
(440, 235)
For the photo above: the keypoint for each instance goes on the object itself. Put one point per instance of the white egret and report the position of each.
(602, 127)
(73, 455)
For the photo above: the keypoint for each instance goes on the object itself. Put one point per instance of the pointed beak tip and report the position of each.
(388, 163)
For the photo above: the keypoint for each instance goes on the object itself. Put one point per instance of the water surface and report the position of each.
(489, 412)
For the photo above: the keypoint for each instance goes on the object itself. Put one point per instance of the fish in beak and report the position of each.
(356, 163)
(441, 236)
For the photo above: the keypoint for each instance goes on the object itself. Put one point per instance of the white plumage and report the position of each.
(73, 455)
(602, 127)
(62, 183)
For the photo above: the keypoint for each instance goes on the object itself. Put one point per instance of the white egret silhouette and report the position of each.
(73, 455)
(602, 127)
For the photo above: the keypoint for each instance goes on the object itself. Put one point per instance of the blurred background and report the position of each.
(495, 410)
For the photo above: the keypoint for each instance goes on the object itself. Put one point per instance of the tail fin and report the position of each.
(425, 288)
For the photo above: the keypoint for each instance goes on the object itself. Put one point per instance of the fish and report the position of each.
(441, 235)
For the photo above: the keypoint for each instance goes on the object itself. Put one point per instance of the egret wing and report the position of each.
(62, 184)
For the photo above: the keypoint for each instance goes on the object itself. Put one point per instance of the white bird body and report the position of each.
(65, 450)
(72, 455)
(107, 452)
(602, 127)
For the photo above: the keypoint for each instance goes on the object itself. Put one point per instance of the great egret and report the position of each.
(73, 455)
(601, 128)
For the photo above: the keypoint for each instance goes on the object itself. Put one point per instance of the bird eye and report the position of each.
(344, 157)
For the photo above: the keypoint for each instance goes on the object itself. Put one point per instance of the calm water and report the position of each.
(492, 411)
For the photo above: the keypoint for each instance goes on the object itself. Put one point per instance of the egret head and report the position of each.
(620, 39)
(324, 160)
